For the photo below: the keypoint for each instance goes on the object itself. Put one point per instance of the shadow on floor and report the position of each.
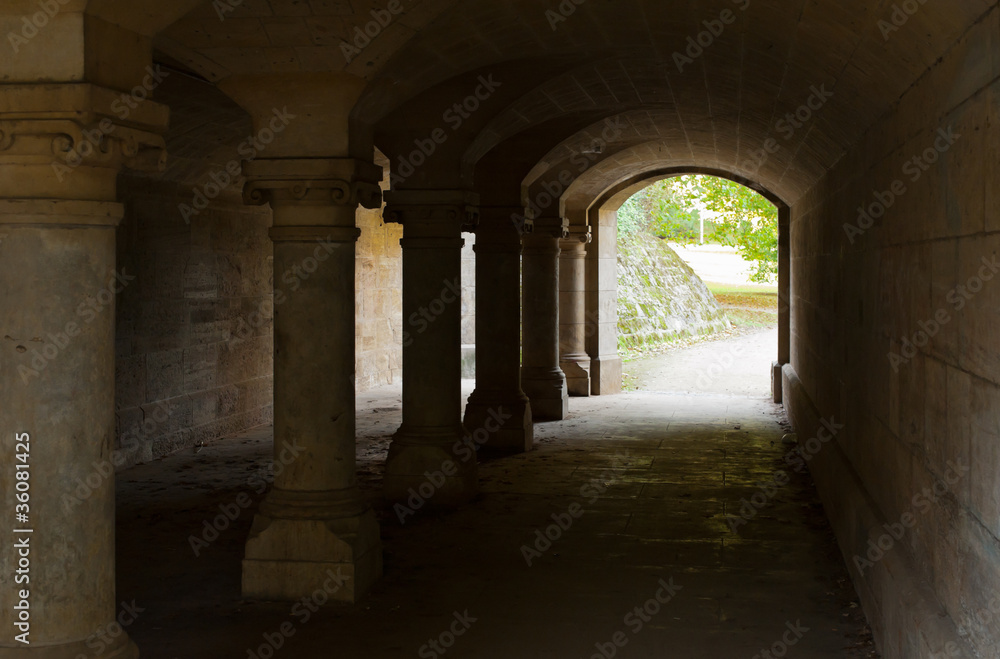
(653, 479)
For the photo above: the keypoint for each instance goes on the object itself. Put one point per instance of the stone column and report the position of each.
(784, 302)
(541, 377)
(60, 154)
(498, 411)
(573, 357)
(314, 521)
(431, 453)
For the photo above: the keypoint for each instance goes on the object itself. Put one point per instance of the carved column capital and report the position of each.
(433, 212)
(551, 227)
(344, 182)
(70, 141)
(574, 245)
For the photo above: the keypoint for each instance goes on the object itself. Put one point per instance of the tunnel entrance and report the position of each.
(697, 271)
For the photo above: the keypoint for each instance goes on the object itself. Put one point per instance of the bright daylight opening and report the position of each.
(697, 287)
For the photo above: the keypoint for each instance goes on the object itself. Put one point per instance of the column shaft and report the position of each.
(498, 412)
(432, 461)
(314, 522)
(56, 260)
(573, 357)
(60, 154)
(541, 377)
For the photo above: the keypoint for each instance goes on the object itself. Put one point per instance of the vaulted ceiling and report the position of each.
(721, 105)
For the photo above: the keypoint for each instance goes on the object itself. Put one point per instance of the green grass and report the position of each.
(748, 306)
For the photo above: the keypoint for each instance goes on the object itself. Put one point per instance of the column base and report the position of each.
(577, 376)
(776, 382)
(606, 376)
(547, 392)
(121, 647)
(291, 557)
(506, 422)
(439, 467)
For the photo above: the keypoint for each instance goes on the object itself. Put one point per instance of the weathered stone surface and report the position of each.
(660, 298)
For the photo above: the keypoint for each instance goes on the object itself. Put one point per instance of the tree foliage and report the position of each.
(743, 218)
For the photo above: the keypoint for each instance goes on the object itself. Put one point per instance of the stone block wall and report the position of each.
(194, 319)
(379, 299)
(194, 349)
(660, 298)
(896, 305)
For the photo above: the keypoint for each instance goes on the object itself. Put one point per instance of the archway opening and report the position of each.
(698, 265)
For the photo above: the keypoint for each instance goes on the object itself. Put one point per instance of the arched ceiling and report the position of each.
(610, 59)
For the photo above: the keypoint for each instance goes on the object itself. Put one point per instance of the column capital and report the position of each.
(345, 182)
(579, 234)
(574, 246)
(70, 141)
(554, 227)
(431, 211)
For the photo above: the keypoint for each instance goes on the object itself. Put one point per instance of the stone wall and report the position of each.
(660, 298)
(193, 351)
(379, 300)
(894, 325)
(194, 327)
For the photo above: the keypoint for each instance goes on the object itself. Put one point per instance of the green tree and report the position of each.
(747, 220)
(661, 210)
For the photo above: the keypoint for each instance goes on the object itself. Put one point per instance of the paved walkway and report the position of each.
(739, 366)
(650, 478)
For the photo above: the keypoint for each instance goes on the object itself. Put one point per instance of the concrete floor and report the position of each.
(669, 468)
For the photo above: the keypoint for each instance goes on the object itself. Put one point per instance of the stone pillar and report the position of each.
(602, 304)
(784, 303)
(60, 154)
(314, 521)
(431, 453)
(498, 411)
(573, 357)
(541, 377)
